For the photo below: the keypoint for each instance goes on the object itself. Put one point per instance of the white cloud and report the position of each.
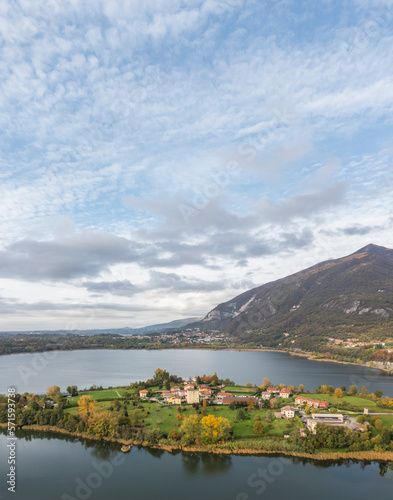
(115, 113)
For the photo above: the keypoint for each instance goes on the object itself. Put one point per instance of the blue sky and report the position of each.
(160, 157)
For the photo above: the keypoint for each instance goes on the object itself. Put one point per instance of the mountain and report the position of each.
(177, 323)
(353, 294)
(144, 330)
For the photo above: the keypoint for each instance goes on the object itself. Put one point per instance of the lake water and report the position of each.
(35, 372)
(50, 468)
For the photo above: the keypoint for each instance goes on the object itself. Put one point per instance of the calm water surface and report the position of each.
(67, 469)
(35, 372)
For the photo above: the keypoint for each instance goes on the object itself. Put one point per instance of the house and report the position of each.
(192, 396)
(188, 387)
(177, 391)
(273, 390)
(288, 411)
(204, 387)
(166, 394)
(315, 403)
(227, 400)
(222, 395)
(143, 394)
(285, 393)
(266, 395)
(175, 400)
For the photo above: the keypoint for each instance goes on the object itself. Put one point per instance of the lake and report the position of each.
(35, 372)
(50, 468)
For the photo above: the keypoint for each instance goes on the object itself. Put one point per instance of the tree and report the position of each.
(364, 390)
(240, 415)
(338, 393)
(174, 435)
(258, 428)
(102, 424)
(204, 404)
(378, 393)
(214, 429)
(378, 424)
(73, 390)
(274, 403)
(266, 382)
(269, 416)
(301, 388)
(353, 390)
(86, 406)
(191, 429)
(54, 392)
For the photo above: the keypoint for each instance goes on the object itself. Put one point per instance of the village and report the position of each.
(310, 411)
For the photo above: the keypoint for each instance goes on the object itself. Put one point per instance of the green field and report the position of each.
(387, 420)
(353, 401)
(241, 389)
(165, 417)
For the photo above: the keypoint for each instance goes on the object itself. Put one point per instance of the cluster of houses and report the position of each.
(193, 393)
(314, 403)
(274, 391)
(188, 394)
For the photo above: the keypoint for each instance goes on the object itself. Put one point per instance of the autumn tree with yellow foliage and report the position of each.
(86, 406)
(54, 392)
(214, 429)
(338, 393)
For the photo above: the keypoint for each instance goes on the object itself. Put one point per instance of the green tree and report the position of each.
(258, 428)
(240, 415)
(191, 429)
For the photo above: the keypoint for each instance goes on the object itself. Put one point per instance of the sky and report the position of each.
(159, 157)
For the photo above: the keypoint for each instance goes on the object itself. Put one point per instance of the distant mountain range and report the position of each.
(353, 294)
(144, 330)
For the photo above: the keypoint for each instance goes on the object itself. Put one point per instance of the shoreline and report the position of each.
(331, 456)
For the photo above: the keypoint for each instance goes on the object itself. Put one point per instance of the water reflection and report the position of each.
(205, 463)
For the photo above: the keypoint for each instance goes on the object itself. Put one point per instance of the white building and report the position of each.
(192, 396)
(288, 411)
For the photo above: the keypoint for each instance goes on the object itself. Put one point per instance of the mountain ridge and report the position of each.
(337, 295)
